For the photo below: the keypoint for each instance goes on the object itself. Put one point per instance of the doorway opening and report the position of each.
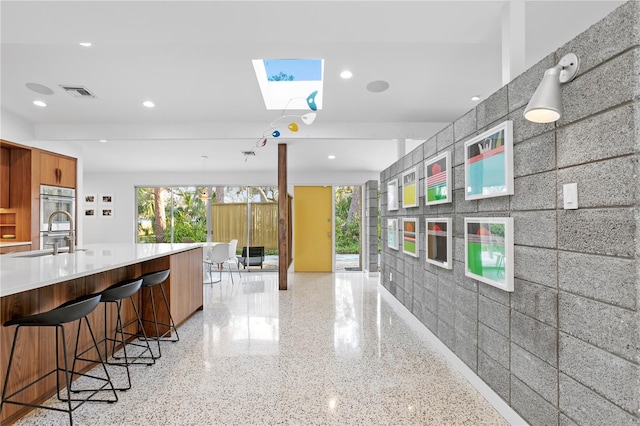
(348, 228)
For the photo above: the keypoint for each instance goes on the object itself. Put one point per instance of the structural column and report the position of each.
(283, 218)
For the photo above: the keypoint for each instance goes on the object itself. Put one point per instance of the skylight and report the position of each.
(286, 83)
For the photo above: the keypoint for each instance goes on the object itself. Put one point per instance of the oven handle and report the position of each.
(45, 197)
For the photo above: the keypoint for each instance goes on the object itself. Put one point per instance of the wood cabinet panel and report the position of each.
(15, 249)
(5, 181)
(57, 170)
(186, 284)
(67, 168)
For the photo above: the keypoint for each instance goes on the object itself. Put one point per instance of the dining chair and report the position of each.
(233, 244)
(218, 256)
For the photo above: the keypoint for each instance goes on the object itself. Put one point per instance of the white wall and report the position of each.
(14, 128)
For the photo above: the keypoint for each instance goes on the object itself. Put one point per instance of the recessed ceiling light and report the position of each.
(346, 74)
(85, 44)
(377, 86)
(39, 103)
(475, 98)
(103, 140)
(331, 157)
(148, 104)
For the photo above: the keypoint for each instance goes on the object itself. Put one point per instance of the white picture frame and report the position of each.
(488, 250)
(488, 163)
(439, 242)
(392, 195)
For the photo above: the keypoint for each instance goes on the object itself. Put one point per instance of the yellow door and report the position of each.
(312, 229)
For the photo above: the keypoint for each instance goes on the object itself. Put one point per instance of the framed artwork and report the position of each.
(392, 195)
(488, 250)
(438, 242)
(106, 208)
(410, 188)
(106, 212)
(106, 199)
(90, 199)
(437, 171)
(410, 234)
(89, 212)
(488, 163)
(392, 233)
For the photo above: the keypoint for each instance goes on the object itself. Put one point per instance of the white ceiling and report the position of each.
(193, 59)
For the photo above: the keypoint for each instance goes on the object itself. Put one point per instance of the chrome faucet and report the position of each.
(69, 238)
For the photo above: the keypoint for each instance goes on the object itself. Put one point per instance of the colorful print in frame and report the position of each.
(410, 188)
(438, 242)
(437, 171)
(488, 250)
(392, 233)
(392, 195)
(410, 236)
(488, 163)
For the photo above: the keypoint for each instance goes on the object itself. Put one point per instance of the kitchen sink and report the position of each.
(46, 253)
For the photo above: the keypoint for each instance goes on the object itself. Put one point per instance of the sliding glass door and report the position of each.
(190, 213)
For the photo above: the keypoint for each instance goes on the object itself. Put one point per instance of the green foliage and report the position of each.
(281, 77)
(347, 238)
(347, 242)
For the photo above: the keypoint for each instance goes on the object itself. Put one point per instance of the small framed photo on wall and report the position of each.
(488, 250)
(106, 206)
(392, 233)
(438, 242)
(392, 195)
(488, 163)
(410, 241)
(437, 172)
(410, 188)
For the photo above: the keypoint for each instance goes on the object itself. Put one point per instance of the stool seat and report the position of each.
(121, 290)
(67, 312)
(73, 310)
(155, 278)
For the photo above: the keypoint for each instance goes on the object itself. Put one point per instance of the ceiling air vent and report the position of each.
(78, 91)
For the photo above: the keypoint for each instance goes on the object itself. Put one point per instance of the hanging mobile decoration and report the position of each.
(307, 119)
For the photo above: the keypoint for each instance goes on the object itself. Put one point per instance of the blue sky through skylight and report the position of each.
(300, 69)
(282, 93)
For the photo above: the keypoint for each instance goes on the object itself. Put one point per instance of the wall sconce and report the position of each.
(545, 105)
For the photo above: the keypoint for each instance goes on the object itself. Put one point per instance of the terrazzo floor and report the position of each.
(328, 351)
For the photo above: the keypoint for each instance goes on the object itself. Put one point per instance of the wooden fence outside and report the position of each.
(229, 221)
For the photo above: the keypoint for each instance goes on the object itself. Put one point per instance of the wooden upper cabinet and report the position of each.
(5, 181)
(57, 170)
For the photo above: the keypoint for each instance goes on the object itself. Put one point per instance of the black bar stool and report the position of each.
(115, 295)
(149, 281)
(73, 310)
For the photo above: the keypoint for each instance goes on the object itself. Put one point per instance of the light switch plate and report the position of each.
(570, 195)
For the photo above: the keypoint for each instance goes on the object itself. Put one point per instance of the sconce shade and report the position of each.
(545, 105)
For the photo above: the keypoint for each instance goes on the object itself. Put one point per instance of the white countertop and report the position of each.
(21, 273)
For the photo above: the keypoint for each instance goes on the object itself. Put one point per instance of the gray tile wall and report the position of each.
(564, 347)
(371, 223)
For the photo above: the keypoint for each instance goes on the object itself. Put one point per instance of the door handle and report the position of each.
(328, 234)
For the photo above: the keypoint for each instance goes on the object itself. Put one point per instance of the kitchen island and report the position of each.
(37, 281)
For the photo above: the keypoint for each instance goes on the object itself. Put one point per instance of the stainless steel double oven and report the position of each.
(52, 199)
